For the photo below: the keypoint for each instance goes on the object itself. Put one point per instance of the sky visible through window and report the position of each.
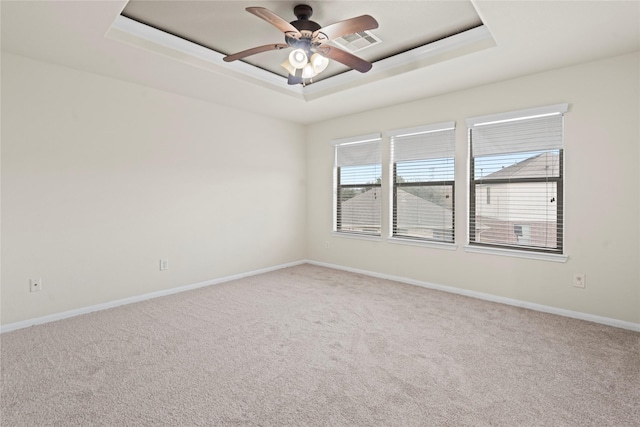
(428, 170)
(361, 174)
(432, 169)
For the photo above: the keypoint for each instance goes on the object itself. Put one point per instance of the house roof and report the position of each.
(543, 165)
(413, 210)
(363, 208)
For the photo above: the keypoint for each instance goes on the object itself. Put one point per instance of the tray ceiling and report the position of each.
(516, 39)
(227, 28)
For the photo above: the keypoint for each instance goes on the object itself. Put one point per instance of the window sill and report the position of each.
(540, 256)
(356, 236)
(423, 243)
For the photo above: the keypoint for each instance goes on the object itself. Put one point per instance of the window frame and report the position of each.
(559, 181)
(526, 251)
(338, 211)
(394, 207)
(338, 187)
(395, 185)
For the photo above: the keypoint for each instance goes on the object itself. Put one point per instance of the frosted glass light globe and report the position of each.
(308, 72)
(298, 58)
(319, 63)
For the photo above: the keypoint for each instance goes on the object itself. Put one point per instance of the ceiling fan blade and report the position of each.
(346, 58)
(254, 50)
(274, 20)
(348, 26)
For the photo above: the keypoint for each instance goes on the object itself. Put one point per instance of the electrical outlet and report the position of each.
(326, 244)
(35, 285)
(164, 264)
(579, 280)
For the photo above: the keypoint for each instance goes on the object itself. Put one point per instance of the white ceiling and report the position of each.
(529, 36)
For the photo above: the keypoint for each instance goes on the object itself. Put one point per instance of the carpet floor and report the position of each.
(312, 346)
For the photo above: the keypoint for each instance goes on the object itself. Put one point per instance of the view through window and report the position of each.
(516, 181)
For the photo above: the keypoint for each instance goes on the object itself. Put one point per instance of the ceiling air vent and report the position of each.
(356, 41)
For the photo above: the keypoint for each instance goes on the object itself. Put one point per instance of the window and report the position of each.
(523, 233)
(422, 161)
(516, 180)
(357, 177)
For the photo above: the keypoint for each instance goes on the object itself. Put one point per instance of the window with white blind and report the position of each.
(422, 162)
(357, 177)
(516, 180)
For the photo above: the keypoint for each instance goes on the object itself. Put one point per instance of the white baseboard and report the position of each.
(84, 310)
(489, 297)
(480, 295)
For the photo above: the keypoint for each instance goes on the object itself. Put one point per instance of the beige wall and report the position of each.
(602, 191)
(102, 178)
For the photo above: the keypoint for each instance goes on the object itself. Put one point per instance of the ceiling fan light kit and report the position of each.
(298, 58)
(319, 63)
(307, 72)
(311, 54)
(287, 66)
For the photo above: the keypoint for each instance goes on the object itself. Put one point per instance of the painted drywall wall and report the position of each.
(602, 235)
(102, 178)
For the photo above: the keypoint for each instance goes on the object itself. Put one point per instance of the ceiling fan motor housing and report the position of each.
(306, 27)
(303, 11)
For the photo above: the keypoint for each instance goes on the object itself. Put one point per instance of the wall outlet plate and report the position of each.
(579, 280)
(164, 264)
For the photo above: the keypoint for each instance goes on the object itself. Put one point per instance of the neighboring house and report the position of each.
(416, 216)
(362, 212)
(420, 217)
(522, 213)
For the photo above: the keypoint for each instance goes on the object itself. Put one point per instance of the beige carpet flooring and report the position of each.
(312, 346)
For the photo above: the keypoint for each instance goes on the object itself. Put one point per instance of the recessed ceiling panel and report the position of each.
(226, 27)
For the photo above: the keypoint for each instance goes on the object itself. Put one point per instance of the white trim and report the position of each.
(372, 137)
(359, 236)
(138, 298)
(540, 256)
(480, 295)
(518, 114)
(143, 36)
(423, 243)
(418, 130)
(493, 298)
(465, 43)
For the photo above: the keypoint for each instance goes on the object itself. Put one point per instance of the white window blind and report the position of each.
(541, 133)
(355, 154)
(358, 173)
(422, 201)
(516, 180)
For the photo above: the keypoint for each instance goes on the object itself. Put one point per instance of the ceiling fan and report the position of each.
(311, 52)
